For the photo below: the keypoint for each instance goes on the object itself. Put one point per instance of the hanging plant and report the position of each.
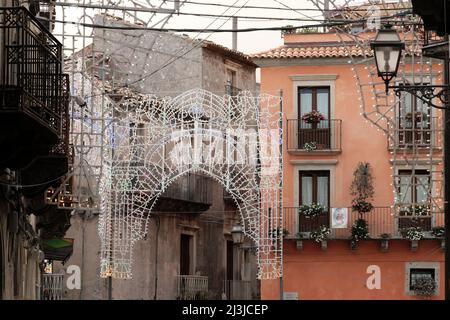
(320, 234)
(438, 232)
(424, 287)
(412, 233)
(419, 210)
(313, 117)
(362, 188)
(310, 146)
(360, 230)
(311, 210)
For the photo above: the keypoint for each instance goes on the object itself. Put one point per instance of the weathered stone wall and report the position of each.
(19, 267)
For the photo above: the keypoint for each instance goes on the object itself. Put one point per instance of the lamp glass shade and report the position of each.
(387, 48)
(237, 234)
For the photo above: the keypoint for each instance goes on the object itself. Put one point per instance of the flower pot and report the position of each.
(299, 244)
(384, 245)
(443, 244)
(323, 245)
(353, 245)
(414, 245)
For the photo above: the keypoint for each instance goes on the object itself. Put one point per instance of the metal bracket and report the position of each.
(426, 93)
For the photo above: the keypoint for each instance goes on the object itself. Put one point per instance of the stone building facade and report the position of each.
(189, 241)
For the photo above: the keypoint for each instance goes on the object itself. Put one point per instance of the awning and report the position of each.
(58, 249)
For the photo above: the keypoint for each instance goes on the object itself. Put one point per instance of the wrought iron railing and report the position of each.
(237, 290)
(192, 188)
(52, 286)
(381, 220)
(30, 68)
(191, 287)
(325, 135)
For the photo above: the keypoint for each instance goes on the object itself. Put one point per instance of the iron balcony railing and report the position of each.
(192, 188)
(52, 286)
(381, 220)
(191, 287)
(237, 290)
(31, 68)
(417, 131)
(325, 135)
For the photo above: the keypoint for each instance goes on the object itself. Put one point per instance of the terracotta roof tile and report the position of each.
(309, 51)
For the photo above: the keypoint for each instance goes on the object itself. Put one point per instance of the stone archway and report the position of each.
(235, 140)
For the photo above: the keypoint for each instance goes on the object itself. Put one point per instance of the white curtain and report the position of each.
(322, 191)
(306, 190)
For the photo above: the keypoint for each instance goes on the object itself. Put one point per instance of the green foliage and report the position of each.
(412, 233)
(438, 232)
(362, 188)
(424, 286)
(360, 230)
(321, 234)
(311, 210)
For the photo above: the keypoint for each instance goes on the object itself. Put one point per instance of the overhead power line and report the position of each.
(281, 8)
(194, 14)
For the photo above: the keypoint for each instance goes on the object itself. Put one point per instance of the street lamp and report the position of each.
(237, 234)
(387, 48)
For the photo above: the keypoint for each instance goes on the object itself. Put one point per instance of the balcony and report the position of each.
(190, 193)
(192, 287)
(434, 46)
(237, 290)
(32, 97)
(314, 139)
(52, 286)
(381, 220)
(419, 133)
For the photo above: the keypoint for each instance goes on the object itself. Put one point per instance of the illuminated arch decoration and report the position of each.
(234, 139)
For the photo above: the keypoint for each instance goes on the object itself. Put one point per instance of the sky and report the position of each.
(248, 42)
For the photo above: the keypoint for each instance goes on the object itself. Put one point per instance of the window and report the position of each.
(414, 186)
(314, 99)
(420, 273)
(414, 121)
(185, 254)
(230, 262)
(421, 270)
(314, 187)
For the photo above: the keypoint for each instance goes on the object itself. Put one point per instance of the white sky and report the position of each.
(248, 42)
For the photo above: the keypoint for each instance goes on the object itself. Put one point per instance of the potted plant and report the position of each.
(414, 234)
(360, 231)
(299, 241)
(311, 210)
(425, 287)
(385, 241)
(321, 235)
(310, 146)
(439, 232)
(313, 117)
